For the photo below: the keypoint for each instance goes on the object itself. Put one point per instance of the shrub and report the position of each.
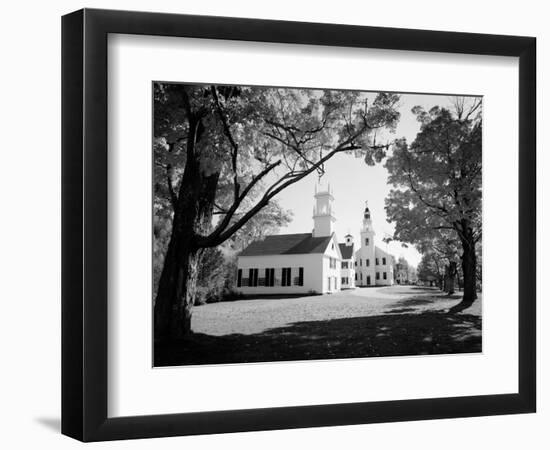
(201, 296)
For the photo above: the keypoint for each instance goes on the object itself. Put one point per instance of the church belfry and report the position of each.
(323, 212)
(367, 232)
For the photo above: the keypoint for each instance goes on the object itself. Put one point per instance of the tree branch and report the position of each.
(234, 146)
(222, 225)
(218, 236)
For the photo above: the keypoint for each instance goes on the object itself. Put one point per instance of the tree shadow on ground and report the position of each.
(359, 337)
(422, 300)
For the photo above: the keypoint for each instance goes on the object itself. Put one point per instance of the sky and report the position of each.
(353, 182)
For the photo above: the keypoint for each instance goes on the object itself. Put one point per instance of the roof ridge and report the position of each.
(289, 234)
(287, 244)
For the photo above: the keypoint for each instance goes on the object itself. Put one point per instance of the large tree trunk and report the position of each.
(178, 281)
(469, 269)
(450, 275)
(177, 288)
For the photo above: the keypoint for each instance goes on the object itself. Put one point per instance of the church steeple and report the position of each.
(323, 212)
(367, 222)
(367, 231)
(366, 214)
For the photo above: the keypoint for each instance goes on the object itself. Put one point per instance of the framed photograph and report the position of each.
(267, 224)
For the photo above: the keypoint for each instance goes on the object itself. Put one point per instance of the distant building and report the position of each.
(373, 266)
(313, 262)
(348, 263)
(405, 274)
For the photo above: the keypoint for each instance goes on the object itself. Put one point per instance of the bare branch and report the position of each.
(233, 208)
(217, 236)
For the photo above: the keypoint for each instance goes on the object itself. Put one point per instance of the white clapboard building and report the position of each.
(309, 262)
(373, 266)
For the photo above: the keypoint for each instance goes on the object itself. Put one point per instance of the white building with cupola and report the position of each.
(314, 262)
(373, 266)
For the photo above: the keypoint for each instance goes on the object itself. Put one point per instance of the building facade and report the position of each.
(313, 262)
(295, 263)
(348, 263)
(373, 266)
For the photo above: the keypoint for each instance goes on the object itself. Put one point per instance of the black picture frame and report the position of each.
(84, 224)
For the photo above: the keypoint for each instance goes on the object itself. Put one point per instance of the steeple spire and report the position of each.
(367, 222)
(366, 214)
(323, 212)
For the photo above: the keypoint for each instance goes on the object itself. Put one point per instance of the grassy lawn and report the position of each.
(391, 321)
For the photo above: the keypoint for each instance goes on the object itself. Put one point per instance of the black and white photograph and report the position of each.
(295, 224)
(268, 225)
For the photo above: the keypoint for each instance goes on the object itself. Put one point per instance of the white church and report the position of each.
(314, 262)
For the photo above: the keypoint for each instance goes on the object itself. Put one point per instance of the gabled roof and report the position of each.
(381, 253)
(287, 244)
(346, 250)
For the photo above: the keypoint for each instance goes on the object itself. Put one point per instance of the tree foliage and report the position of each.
(223, 153)
(436, 179)
(436, 197)
(249, 135)
(430, 268)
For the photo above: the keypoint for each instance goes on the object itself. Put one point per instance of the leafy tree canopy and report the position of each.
(248, 133)
(437, 178)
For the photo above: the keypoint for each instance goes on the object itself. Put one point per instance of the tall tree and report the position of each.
(224, 152)
(444, 248)
(401, 269)
(430, 269)
(437, 184)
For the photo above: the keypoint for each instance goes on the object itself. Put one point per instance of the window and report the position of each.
(344, 280)
(366, 241)
(253, 277)
(377, 275)
(361, 261)
(367, 262)
(270, 277)
(384, 261)
(286, 277)
(385, 276)
(361, 276)
(239, 277)
(333, 263)
(344, 264)
(299, 279)
(355, 263)
(355, 276)
(376, 261)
